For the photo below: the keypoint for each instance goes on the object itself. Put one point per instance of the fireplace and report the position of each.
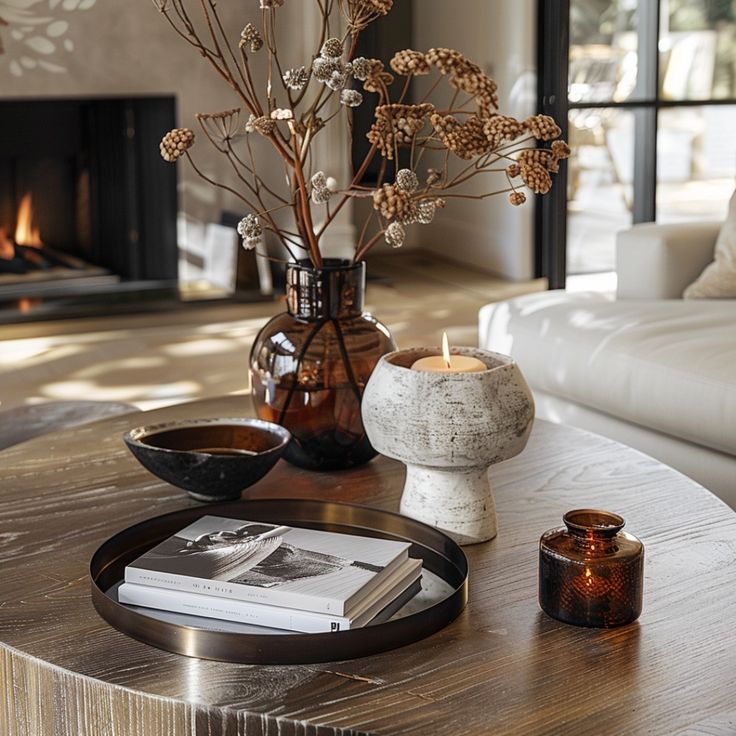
(87, 206)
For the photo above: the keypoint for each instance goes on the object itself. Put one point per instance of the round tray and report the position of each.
(444, 586)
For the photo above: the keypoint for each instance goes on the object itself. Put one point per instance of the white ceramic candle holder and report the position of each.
(448, 429)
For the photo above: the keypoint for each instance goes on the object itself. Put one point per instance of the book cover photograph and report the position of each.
(268, 563)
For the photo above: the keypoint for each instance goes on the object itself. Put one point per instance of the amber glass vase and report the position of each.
(590, 572)
(309, 366)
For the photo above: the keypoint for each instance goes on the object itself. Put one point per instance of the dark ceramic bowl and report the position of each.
(212, 459)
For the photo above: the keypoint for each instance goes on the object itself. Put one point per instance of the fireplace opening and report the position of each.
(87, 206)
(24, 254)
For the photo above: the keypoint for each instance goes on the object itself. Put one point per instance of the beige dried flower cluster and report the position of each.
(467, 139)
(399, 204)
(536, 164)
(361, 13)
(397, 125)
(477, 136)
(408, 62)
(176, 143)
(373, 75)
(462, 140)
(466, 76)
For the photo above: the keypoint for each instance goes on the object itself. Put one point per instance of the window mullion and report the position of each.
(645, 117)
(553, 34)
(645, 164)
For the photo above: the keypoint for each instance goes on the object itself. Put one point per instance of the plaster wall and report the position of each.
(80, 48)
(71, 48)
(500, 35)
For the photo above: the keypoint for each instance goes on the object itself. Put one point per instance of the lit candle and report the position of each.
(447, 363)
(589, 585)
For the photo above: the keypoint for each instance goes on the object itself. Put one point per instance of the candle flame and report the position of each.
(446, 350)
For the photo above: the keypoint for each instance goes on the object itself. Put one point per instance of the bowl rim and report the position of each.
(504, 362)
(135, 437)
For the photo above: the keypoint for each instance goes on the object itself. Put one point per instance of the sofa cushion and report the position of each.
(667, 365)
(718, 280)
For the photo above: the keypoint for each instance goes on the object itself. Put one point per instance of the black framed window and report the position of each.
(647, 91)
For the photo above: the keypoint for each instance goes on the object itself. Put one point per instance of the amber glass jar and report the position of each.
(590, 572)
(309, 366)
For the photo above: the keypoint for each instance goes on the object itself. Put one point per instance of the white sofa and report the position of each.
(642, 366)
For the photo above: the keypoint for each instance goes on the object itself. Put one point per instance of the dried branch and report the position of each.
(468, 136)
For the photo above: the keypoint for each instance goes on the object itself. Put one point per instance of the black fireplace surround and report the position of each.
(102, 196)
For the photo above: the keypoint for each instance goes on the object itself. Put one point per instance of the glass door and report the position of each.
(648, 90)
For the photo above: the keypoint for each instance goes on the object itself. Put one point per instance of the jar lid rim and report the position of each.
(593, 520)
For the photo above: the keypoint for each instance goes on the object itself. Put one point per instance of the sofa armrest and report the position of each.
(658, 261)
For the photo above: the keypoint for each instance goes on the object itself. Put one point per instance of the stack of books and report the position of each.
(279, 577)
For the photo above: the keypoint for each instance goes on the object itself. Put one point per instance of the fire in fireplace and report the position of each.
(25, 253)
(87, 207)
(26, 233)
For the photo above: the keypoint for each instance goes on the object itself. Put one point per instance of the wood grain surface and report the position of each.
(503, 667)
(25, 422)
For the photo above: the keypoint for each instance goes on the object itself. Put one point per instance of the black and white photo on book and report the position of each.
(266, 563)
(388, 598)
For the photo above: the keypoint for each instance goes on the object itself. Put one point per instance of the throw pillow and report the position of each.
(718, 280)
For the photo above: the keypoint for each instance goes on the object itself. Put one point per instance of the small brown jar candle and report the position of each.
(590, 572)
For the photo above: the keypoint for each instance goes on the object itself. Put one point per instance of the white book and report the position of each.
(386, 599)
(289, 567)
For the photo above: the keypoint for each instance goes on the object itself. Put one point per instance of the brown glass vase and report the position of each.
(309, 366)
(590, 572)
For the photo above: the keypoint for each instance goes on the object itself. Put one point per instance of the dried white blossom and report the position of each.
(351, 97)
(323, 69)
(331, 72)
(321, 196)
(337, 83)
(282, 114)
(426, 210)
(323, 187)
(264, 125)
(296, 79)
(250, 36)
(407, 180)
(395, 235)
(319, 180)
(331, 49)
(362, 68)
(250, 230)
(250, 126)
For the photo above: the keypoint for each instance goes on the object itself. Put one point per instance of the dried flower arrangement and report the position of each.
(469, 137)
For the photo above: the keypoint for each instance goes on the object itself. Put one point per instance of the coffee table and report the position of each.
(501, 667)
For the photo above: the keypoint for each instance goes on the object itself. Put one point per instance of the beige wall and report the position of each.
(500, 36)
(123, 47)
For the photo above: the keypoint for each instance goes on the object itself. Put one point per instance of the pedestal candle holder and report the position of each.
(448, 429)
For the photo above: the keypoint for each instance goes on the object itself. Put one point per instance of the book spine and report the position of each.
(256, 614)
(233, 591)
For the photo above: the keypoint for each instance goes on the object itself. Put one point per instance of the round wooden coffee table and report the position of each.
(502, 667)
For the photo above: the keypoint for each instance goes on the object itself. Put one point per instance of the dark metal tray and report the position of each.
(444, 586)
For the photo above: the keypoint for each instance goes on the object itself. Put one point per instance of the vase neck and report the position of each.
(594, 529)
(335, 290)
